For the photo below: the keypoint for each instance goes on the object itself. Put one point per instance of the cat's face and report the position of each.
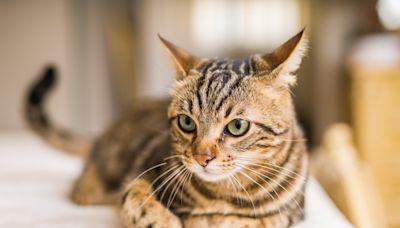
(228, 114)
(221, 120)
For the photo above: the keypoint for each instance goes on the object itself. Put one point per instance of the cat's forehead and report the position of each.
(218, 87)
(242, 67)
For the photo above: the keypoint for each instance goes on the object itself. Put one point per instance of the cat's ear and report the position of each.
(285, 60)
(184, 61)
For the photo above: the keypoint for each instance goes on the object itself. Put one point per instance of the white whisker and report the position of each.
(171, 180)
(278, 184)
(170, 176)
(173, 157)
(175, 190)
(263, 164)
(148, 170)
(172, 193)
(186, 180)
(248, 195)
(263, 188)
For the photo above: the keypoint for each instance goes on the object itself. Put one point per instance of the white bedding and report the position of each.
(35, 181)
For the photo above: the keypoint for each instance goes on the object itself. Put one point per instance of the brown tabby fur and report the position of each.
(147, 163)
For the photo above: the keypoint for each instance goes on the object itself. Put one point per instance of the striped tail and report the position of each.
(40, 123)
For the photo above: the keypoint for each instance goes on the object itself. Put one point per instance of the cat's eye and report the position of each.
(186, 123)
(238, 127)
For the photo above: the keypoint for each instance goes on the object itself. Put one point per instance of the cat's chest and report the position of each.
(202, 210)
(223, 215)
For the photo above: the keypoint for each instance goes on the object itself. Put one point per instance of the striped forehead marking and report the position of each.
(218, 78)
(242, 67)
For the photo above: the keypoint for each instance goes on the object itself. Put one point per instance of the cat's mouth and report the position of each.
(213, 172)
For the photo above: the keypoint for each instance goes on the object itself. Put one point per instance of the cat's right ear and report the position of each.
(184, 61)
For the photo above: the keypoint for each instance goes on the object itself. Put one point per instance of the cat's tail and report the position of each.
(41, 124)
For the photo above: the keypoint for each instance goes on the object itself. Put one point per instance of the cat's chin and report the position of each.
(212, 177)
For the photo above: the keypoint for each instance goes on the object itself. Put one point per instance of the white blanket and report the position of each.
(35, 181)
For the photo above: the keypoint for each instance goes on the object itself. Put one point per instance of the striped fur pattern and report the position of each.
(42, 125)
(147, 164)
(255, 180)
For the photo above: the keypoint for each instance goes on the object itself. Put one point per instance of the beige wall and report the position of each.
(34, 33)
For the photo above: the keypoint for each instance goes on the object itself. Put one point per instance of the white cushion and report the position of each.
(35, 181)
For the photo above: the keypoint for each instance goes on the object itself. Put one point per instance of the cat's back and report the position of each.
(138, 139)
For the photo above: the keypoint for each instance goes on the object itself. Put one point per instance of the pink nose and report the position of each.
(203, 159)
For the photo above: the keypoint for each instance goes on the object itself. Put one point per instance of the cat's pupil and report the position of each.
(187, 120)
(238, 124)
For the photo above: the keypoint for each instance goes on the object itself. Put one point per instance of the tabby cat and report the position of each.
(225, 151)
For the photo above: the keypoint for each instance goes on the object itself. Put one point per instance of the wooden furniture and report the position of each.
(375, 72)
(363, 177)
(347, 179)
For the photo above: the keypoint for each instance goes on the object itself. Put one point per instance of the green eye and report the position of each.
(238, 127)
(186, 123)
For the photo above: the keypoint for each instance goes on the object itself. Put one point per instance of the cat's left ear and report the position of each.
(284, 61)
(184, 61)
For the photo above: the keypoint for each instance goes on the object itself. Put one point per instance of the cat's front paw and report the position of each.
(140, 209)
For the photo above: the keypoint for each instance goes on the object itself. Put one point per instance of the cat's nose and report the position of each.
(203, 159)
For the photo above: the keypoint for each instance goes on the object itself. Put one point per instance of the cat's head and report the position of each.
(228, 114)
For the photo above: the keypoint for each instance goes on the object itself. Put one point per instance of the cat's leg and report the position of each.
(141, 209)
(223, 221)
(89, 189)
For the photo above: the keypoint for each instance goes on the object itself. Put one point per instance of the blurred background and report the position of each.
(108, 55)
